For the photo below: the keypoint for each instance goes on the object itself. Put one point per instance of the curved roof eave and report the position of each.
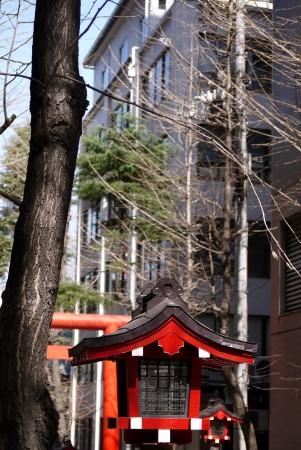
(143, 327)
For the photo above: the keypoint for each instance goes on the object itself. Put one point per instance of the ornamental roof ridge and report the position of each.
(166, 291)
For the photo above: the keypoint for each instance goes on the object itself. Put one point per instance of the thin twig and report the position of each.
(7, 123)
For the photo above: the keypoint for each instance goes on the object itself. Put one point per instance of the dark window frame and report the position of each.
(124, 52)
(259, 66)
(156, 82)
(162, 4)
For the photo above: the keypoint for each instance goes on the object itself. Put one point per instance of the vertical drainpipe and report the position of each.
(74, 370)
(133, 74)
(241, 241)
(99, 365)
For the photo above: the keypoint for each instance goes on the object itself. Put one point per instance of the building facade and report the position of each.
(285, 269)
(169, 63)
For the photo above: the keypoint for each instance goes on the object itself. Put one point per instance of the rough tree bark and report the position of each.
(239, 408)
(28, 419)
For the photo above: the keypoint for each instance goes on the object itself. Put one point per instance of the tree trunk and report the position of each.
(239, 408)
(27, 416)
(224, 315)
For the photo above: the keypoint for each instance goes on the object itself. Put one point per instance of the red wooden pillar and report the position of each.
(111, 438)
(195, 388)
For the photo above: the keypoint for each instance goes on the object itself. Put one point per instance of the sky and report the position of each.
(17, 91)
(16, 33)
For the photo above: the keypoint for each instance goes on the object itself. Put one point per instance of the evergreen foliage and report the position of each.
(12, 179)
(69, 293)
(130, 167)
(7, 222)
(15, 159)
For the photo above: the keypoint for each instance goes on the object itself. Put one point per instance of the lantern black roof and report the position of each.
(217, 408)
(158, 306)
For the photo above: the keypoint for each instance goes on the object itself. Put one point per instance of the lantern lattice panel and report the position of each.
(163, 388)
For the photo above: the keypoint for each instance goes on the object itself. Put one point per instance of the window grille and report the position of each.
(217, 427)
(163, 388)
(292, 279)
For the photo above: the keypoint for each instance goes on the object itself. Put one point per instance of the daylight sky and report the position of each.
(16, 34)
(17, 94)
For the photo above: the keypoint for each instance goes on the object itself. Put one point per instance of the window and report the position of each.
(95, 223)
(120, 116)
(144, 28)
(116, 278)
(213, 61)
(210, 161)
(105, 78)
(105, 74)
(259, 252)
(124, 52)
(162, 4)
(210, 235)
(91, 279)
(152, 263)
(91, 224)
(101, 135)
(291, 235)
(84, 433)
(104, 209)
(166, 69)
(163, 388)
(213, 56)
(157, 80)
(85, 374)
(259, 66)
(258, 142)
(208, 256)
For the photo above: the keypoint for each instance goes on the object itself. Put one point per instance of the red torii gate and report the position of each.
(72, 321)
(108, 323)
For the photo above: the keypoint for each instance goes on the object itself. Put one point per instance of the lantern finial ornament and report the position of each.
(166, 290)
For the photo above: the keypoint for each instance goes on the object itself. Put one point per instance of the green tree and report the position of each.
(130, 166)
(12, 180)
(16, 151)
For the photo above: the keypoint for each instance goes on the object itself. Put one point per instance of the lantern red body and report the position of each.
(216, 419)
(159, 357)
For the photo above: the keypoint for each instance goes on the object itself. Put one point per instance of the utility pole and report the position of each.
(241, 228)
(99, 365)
(133, 75)
(188, 167)
(73, 383)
